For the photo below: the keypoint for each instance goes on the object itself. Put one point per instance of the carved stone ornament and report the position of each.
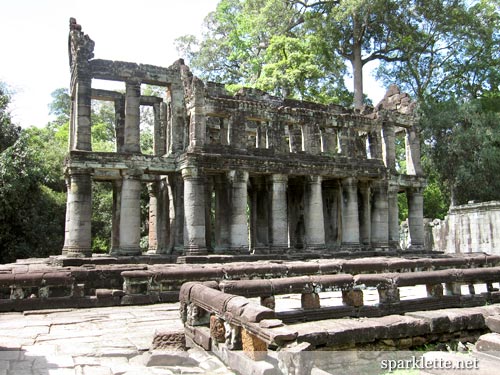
(80, 46)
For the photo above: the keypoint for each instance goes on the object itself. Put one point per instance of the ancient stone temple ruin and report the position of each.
(237, 173)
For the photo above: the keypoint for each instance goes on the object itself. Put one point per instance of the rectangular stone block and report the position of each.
(310, 301)
(253, 347)
(169, 340)
(352, 297)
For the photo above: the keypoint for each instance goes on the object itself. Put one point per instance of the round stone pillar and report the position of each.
(194, 212)
(416, 218)
(130, 214)
(68, 216)
(380, 216)
(350, 214)
(238, 228)
(314, 220)
(79, 243)
(279, 215)
(393, 216)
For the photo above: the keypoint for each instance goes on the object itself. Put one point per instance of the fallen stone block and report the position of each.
(493, 323)
(168, 358)
(488, 343)
(169, 340)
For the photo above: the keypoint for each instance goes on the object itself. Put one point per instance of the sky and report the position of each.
(34, 43)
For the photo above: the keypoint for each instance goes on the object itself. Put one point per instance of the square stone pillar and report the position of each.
(279, 214)
(120, 123)
(415, 218)
(79, 241)
(197, 125)
(276, 135)
(313, 211)
(194, 212)
(375, 143)
(365, 224)
(82, 119)
(237, 132)
(130, 213)
(238, 227)
(389, 146)
(392, 200)
(350, 214)
(176, 124)
(380, 215)
(412, 145)
(132, 117)
(159, 145)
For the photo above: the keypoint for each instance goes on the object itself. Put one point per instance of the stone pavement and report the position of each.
(99, 341)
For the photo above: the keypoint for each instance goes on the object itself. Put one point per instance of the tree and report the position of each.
(264, 44)
(8, 131)
(464, 148)
(457, 55)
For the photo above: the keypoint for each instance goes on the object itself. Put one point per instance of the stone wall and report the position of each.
(473, 227)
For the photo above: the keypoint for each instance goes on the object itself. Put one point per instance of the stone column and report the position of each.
(416, 218)
(222, 209)
(375, 144)
(83, 138)
(175, 222)
(194, 212)
(80, 201)
(163, 148)
(365, 224)
(197, 126)
(380, 215)
(132, 118)
(238, 238)
(115, 220)
(130, 213)
(159, 135)
(69, 200)
(120, 123)
(157, 218)
(389, 146)
(261, 135)
(177, 124)
(261, 213)
(412, 144)
(313, 212)
(350, 215)
(279, 214)
(152, 218)
(392, 197)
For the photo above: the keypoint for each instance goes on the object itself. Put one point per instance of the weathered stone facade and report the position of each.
(232, 174)
(473, 227)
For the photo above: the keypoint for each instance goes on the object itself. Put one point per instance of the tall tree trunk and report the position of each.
(357, 72)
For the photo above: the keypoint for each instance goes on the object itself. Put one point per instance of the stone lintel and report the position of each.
(124, 71)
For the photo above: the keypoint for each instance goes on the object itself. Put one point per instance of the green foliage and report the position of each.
(8, 131)
(455, 53)
(31, 214)
(264, 44)
(464, 148)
